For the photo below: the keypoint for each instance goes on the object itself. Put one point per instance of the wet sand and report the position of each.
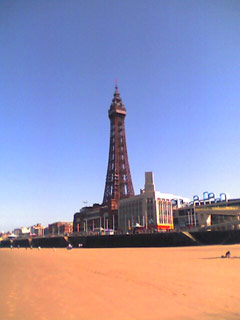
(131, 283)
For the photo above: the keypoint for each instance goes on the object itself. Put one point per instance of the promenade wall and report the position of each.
(217, 237)
(168, 239)
(171, 239)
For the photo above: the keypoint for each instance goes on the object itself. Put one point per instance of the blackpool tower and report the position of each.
(118, 180)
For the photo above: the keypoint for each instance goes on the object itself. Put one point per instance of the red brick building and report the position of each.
(59, 228)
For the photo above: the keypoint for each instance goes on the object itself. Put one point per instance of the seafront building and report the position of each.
(22, 232)
(151, 209)
(37, 230)
(53, 229)
(59, 228)
(208, 214)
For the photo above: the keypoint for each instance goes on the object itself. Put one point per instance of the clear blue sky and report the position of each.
(178, 69)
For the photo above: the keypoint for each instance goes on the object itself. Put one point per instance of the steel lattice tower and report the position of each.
(118, 180)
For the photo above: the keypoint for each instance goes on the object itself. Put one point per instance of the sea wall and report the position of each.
(51, 242)
(5, 243)
(217, 237)
(168, 239)
(171, 239)
(22, 243)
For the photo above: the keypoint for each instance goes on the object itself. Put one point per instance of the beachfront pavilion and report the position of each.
(222, 215)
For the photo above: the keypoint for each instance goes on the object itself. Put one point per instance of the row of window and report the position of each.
(131, 221)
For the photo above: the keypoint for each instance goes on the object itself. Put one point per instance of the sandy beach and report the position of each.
(132, 283)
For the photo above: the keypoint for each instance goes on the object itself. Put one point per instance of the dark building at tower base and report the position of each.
(96, 219)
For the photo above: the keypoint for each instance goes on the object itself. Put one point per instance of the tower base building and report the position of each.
(98, 219)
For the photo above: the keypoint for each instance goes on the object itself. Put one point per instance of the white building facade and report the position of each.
(149, 210)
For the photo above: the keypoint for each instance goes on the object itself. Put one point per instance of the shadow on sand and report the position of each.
(210, 258)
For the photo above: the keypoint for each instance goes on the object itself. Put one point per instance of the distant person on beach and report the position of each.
(228, 254)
